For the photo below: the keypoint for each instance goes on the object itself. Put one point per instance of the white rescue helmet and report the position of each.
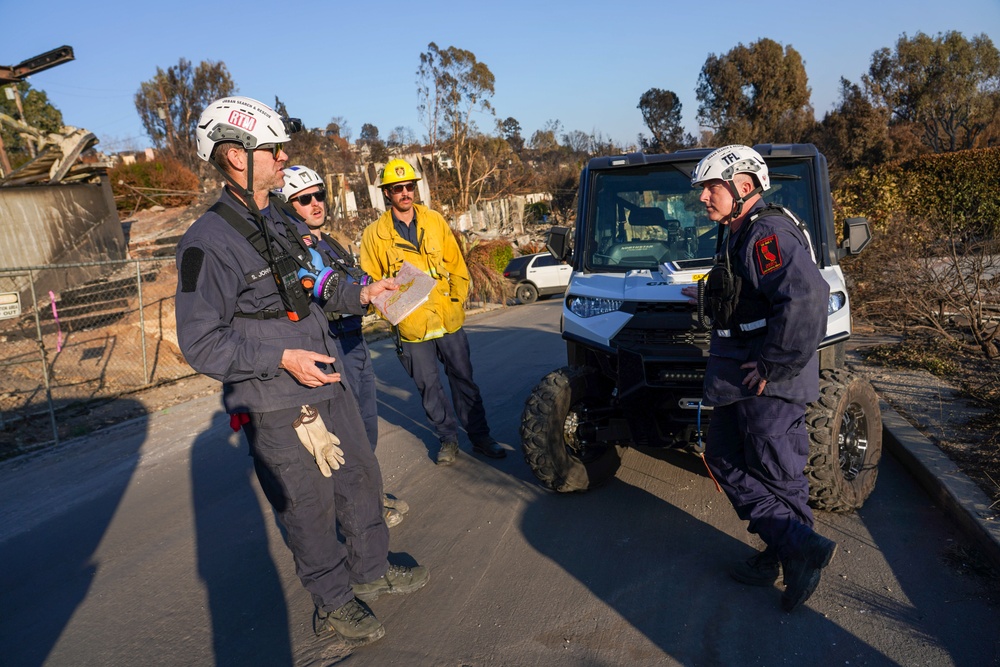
(244, 120)
(297, 179)
(724, 163)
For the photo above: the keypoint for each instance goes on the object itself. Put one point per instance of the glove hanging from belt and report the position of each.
(318, 440)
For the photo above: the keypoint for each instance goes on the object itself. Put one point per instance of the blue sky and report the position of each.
(584, 63)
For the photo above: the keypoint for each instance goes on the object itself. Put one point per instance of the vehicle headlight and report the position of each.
(585, 306)
(837, 301)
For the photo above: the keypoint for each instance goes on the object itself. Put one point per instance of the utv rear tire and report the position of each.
(549, 438)
(526, 293)
(845, 442)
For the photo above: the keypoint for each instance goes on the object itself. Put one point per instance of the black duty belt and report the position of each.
(261, 315)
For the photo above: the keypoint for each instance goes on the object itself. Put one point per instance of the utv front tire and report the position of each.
(845, 442)
(550, 437)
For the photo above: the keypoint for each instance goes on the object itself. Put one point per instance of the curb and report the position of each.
(959, 497)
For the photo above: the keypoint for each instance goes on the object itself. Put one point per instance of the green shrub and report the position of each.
(162, 181)
(959, 187)
(535, 213)
(494, 254)
(486, 261)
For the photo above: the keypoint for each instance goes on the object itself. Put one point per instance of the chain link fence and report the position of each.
(70, 350)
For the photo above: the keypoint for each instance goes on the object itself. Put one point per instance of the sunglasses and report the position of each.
(305, 200)
(274, 149)
(399, 187)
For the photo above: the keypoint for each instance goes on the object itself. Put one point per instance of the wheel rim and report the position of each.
(524, 294)
(576, 447)
(853, 441)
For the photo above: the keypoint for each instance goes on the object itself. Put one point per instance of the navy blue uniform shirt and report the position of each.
(219, 274)
(779, 274)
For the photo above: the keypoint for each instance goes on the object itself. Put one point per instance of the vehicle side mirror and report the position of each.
(857, 236)
(557, 243)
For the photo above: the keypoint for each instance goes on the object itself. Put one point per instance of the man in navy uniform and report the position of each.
(305, 191)
(769, 306)
(244, 319)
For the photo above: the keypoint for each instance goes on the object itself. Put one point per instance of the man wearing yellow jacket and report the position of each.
(416, 234)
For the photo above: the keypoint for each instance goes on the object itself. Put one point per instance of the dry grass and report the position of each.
(978, 378)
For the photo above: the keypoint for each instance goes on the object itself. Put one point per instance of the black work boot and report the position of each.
(489, 447)
(397, 580)
(761, 569)
(353, 621)
(818, 551)
(802, 572)
(447, 453)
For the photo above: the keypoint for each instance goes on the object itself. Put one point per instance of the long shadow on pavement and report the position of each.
(680, 599)
(246, 600)
(49, 565)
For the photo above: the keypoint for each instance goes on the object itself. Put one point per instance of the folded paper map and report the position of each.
(414, 288)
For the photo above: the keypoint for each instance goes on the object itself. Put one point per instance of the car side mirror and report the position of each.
(857, 236)
(557, 243)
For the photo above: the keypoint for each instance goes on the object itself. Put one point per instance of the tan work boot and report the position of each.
(400, 506)
(447, 453)
(392, 517)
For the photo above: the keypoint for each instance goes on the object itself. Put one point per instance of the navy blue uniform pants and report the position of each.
(757, 449)
(355, 364)
(421, 363)
(309, 505)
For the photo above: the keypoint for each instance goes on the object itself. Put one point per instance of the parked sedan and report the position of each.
(537, 275)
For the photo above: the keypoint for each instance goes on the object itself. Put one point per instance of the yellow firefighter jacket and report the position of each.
(383, 252)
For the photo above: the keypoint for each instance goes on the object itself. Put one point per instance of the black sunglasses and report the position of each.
(305, 200)
(399, 187)
(274, 149)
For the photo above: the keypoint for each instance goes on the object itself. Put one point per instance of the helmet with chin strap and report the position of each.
(243, 120)
(724, 163)
(297, 179)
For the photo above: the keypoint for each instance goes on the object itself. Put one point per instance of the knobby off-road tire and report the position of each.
(845, 442)
(549, 438)
(526, 293)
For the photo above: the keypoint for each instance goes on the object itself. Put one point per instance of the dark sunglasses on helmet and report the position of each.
(399, 187)
(305, 200)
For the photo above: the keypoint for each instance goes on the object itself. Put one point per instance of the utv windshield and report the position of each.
(644, 217)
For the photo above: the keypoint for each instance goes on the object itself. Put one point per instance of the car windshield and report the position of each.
(642, 218)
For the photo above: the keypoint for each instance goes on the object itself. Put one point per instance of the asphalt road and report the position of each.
(150, 544)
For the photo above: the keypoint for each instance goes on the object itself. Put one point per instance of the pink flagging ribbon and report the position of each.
(55, 316)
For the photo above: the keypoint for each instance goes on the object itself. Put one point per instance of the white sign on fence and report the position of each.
(10, 305)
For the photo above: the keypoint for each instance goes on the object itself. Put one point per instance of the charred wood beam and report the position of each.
(19, 72)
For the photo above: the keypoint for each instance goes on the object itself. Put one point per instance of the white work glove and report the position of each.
(320, 442)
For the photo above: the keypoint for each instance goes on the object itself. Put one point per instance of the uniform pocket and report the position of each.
(277, 455)
(273, 432)
(777, 445)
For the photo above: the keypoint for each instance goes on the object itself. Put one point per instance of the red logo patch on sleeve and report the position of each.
(768, 254)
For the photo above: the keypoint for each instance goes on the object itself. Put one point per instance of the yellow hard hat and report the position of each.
(397, 171)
